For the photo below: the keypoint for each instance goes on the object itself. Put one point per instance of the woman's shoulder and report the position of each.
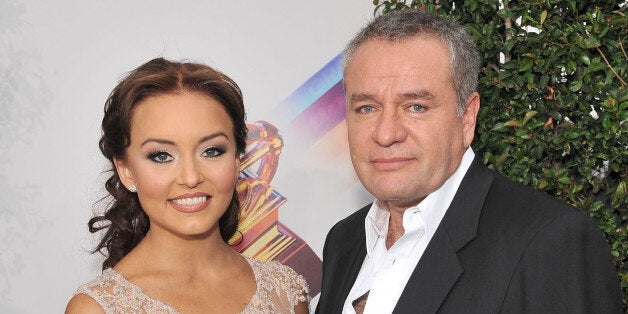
(81, 303)
(91, 297)
(99, 288)
(112, 293)
(276, 270)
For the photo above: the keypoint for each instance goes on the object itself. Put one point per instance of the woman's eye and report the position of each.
(160, 157)
(213, 152)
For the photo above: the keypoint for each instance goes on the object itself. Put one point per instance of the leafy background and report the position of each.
(554, 112)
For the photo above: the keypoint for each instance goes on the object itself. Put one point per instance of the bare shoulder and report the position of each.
(82, 303)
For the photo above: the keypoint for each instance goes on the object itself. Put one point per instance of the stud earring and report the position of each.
(132, 188)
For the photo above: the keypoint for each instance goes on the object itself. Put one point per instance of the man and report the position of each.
(445, 233)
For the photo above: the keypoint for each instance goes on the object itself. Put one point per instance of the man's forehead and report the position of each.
(383, 48)
(417, 56)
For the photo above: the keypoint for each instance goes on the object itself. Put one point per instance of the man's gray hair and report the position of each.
(401, 25)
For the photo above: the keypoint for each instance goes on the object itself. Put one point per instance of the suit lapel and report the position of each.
(439, 267)
(351, 264)
(347, 265)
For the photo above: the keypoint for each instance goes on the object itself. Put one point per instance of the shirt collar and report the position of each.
(376, 224)
(433, 207)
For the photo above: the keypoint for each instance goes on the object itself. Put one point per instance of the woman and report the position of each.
(174, 133)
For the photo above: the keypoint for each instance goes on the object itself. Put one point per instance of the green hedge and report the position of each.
(554, 111)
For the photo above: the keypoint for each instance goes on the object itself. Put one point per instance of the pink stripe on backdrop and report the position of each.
(321, 116)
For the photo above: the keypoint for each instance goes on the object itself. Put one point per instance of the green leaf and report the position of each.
(575, 86)
(500, 160)
(499, 127)
(564, 180)
(526, 64)
(512, 123)
(529, 115)
(543, 17)
(606, 122)
(522, 133)
(621, 189)
(476, 33)
(542, 184)
(591, 42)
(471, 5)
(572, 135)
(503, 13)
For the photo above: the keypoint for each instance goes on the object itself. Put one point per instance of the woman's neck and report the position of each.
(161, 250)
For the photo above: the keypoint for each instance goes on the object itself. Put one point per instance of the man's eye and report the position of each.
(213, 152)
(365, 109)
(160, 157)
(417, 108)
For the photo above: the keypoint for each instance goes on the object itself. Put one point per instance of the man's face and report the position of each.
(405, 138)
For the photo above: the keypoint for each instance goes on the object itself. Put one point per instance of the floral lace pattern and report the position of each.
(279, 290)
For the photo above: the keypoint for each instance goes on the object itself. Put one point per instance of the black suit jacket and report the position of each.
(501, 248)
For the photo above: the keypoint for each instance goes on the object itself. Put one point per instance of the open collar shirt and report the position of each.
(385, 272)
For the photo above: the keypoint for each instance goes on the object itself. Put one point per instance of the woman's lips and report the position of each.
(190, 203)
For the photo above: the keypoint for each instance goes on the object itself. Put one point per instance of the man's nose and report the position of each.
(389, 128)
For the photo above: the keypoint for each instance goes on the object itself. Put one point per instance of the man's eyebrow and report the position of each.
(420, 94)
(359, 97)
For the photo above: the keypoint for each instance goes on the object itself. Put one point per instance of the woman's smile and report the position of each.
(190, 203)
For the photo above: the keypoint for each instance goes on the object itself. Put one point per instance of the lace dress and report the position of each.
(279, 290)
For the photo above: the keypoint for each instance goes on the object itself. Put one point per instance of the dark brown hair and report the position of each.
(125, 222)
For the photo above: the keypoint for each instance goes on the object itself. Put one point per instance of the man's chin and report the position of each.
(395, 197)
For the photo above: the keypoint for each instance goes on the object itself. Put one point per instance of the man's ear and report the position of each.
(469, 118)
(125, 174)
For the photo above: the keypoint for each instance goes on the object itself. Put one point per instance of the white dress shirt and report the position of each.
(385, 272)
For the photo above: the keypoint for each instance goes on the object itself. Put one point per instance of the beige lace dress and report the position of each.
(279, 290)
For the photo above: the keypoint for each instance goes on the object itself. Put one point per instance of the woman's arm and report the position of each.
(82, 303)
(302, 308)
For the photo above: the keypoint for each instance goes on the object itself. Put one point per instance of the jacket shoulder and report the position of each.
(517, 197)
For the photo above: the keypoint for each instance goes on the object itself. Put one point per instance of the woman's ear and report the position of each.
(125, 174)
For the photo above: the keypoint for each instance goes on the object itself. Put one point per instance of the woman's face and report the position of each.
(182, 158)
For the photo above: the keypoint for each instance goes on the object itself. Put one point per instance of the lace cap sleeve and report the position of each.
(280, 288)
(298, 289)
(117, 295)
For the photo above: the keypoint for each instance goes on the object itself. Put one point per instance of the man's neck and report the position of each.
(395, 226)
(395, 222)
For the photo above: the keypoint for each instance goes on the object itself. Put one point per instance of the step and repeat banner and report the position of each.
(60, 59)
